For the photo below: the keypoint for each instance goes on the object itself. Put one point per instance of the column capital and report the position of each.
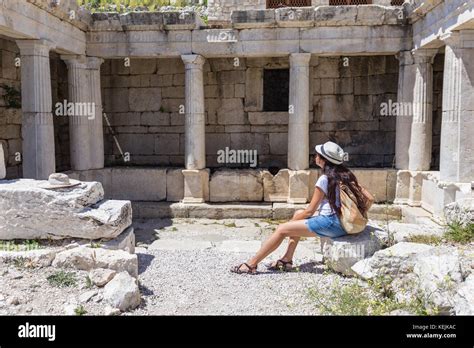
(73, 60)
(35, 47)
(300, 59)
(424, 55)
(193, 61)
(94, 63)
(405, 57)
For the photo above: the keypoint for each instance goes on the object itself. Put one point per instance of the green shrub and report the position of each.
(459, 233)
(62, 279)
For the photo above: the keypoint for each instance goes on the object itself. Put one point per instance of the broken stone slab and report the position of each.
(340, 254)
(87, 258)
(30, 258)
(403, 232)
(101, 276)
(33, 212)
(464, 299)
(122, 292)
(125, 241)
(439, 274)
(394, 261)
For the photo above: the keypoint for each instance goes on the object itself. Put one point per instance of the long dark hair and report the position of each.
(340, 174)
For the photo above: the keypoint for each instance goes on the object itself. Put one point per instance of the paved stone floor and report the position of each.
(184, 270)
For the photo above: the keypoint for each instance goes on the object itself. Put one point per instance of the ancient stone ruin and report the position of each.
(167, 114)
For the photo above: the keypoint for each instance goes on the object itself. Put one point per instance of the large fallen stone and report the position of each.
(403, 232)
(439, 274)
(101, 276)
(32, 212)
(125, 241)
(30, 258)
(340, 254)
(87, 258)
(394, 261)
(464, 299)
(122, 292)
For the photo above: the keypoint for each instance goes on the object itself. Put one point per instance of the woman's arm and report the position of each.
(318, 196)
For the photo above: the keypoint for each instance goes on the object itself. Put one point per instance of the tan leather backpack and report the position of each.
(353, 221)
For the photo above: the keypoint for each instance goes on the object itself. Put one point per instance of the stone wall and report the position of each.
(221, 10)
(142, 103)
(347, 96)
(10, 114)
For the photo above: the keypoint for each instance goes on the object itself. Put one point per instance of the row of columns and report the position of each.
(414, 131)
(86, 133)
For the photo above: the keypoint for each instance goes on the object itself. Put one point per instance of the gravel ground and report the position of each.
(183, 270)
(199, 283)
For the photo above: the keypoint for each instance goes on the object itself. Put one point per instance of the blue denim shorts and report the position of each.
(326, 226)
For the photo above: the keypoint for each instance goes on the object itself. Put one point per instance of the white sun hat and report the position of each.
(332, 152)
(58, 181)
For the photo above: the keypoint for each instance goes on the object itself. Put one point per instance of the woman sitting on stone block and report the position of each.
(320, 218)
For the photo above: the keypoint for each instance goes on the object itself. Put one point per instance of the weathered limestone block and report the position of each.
(464, 300)
(395, 261)
(236, 186)
(285, 211)
(403, 232)
(122, 292)
(340, 254)
(335, 15)
(174, 185)
(381, 183)
(275, 188)
(180, 20)
(294, 17)
(439, 274)
(461, 212)
(139, 184)
(196, 186)
(125, 241)
(87, 258)
(253, 19)
(32, 212)
(101, 276)
(298, 187)
(139, 21)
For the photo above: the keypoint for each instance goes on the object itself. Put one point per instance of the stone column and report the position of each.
(422, 125)
(298, 128)
(36, 102)
(457, 128)
(79, 122)
(96, 124)
(298, 122)
(406, 85)
(196, 178)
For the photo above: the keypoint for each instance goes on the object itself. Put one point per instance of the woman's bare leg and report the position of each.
(289, 229)
(292, 243)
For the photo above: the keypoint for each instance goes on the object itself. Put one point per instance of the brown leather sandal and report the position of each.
(249, 270)
(281, 265)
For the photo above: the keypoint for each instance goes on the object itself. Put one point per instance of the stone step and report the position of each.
(417, 215)
(277, 211)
